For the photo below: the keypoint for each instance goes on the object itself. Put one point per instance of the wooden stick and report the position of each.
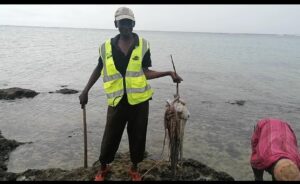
(173, 63)
(177, 84)
(85, 136)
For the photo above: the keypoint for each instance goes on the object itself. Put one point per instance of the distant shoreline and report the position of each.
(256, 34)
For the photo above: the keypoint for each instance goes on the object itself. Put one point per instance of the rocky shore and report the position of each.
(152, 170)
(155, 170)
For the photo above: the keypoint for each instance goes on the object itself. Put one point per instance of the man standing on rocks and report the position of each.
(123, 64)
(275, 149)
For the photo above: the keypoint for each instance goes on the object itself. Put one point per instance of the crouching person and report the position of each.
(275, 150)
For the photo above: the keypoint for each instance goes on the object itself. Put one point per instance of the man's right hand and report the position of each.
(83, 98)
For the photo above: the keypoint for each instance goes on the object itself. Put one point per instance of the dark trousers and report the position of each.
(136, 118)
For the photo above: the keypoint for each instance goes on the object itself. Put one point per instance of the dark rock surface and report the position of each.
(66, 91)
(13, 93)
(238, 102)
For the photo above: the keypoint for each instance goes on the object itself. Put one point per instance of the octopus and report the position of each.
(175, 118)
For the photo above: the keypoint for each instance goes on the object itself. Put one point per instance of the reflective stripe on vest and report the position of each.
(137, 88)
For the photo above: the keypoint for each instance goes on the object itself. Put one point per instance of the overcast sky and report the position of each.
(266, 19)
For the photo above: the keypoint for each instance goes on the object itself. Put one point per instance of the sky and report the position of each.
(259, 19)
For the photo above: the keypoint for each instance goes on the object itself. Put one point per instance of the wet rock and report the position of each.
(149, 177)
(66, 91)
(189, 170)
(222, 176)
(6, 146)
(7, 176)
(119, 172)
(13, 93)
(238, 102)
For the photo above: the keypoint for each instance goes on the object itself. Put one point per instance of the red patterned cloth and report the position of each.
(273, 139)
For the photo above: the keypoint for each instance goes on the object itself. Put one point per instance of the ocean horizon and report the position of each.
(236, 33)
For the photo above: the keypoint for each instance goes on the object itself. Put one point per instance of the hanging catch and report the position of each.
(175, 118)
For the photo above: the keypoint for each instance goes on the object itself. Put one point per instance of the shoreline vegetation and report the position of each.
(153, 170)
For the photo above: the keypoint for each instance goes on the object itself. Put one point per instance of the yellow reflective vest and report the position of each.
(137, 88)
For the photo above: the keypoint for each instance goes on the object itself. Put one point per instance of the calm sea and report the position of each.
(263, 70)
